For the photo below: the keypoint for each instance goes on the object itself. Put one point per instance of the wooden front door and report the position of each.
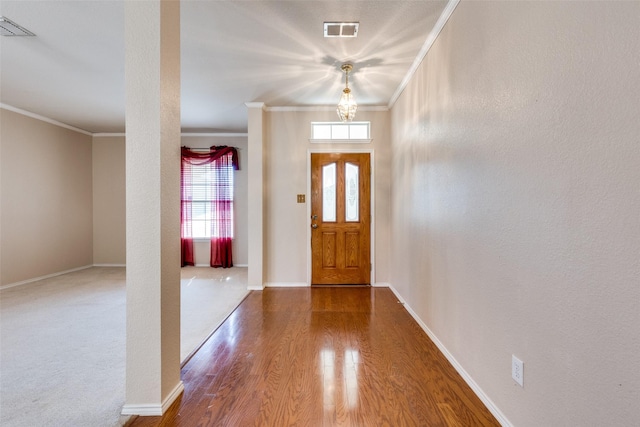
(340, 218)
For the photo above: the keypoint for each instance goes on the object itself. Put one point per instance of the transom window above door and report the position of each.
(328, 132)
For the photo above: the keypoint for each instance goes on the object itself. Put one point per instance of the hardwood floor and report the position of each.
(321, 356)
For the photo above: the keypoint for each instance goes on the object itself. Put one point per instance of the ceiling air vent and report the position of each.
(341, 29)
(10, 28)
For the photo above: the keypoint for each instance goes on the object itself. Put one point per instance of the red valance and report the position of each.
(214, 153)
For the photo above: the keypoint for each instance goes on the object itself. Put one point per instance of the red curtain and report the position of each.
(223, 160)
(222, 210)
(186, 235)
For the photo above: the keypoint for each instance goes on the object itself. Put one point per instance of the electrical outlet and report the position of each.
(517, 370)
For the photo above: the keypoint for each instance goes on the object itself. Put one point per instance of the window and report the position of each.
(351, 192)
(329, 193)
(211, 187)
(207, 194)
(207, 202)
(323, 132)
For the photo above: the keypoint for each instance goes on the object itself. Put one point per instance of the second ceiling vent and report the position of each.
(341, 29)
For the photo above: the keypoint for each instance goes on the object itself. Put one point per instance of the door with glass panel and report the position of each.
(340, 218)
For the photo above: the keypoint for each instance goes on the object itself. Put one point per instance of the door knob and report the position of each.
(314, 226)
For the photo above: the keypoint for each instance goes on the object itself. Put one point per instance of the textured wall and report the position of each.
(516, 205)
(286, 175)
(46, 198)
(109, 219)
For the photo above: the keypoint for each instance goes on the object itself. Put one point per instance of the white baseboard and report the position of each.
(255, 288)
(48, 276)
(142, 410)
(154, 409)
(417, 319)
(381, 285)
(467, 378)
(109, 265)
(175, 393)
(305, 285)
(286, 285)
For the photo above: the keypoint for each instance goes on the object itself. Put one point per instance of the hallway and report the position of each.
(322, 356)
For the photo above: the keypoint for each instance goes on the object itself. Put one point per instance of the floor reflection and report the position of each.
(351, 377)
(328, 369)
(231, 325)
(333, 377)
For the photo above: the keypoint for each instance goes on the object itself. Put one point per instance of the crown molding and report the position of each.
(431, 38)
(183, 134)
(216, 134)
(325, 108)
(44, 119)
(108, 134)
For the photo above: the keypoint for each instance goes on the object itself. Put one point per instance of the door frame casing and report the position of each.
(372, 224)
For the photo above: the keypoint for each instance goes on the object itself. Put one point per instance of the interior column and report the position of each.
(152, 75)
(255, 177)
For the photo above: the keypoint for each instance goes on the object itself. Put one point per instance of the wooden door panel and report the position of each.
(352, 250)
(328, 250)
(340, 248)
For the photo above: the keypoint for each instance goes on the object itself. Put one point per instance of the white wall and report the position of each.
(516, 205)
(286, 175)
(46, 198)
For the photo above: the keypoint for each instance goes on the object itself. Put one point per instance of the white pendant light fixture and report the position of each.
(347, 106)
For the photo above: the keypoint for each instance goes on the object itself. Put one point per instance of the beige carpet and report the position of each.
(62, 342)
(220, 289)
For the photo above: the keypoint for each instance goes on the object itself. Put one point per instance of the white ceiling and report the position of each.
(233, 52)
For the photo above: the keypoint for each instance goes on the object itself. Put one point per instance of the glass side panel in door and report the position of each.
(351, 192)
(329, 193)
